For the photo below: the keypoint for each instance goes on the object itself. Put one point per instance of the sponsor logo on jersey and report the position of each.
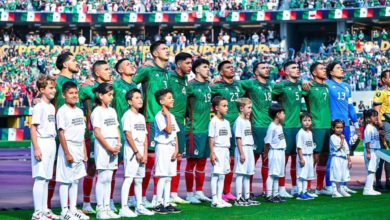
(248, 132)
(77, 121)
(109, 122)
(223, 132)
(51, 118)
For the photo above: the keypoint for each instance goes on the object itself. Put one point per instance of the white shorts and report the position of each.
(222, 165)
(306, 172)
(371, 165)
(248, 167)
(105, 160)
(339, 171)
(276, 162)
(132, 167)
(44, 168)
(164, 166)
(66, 172)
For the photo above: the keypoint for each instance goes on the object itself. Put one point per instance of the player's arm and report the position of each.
(277, 92)
(305, 94)
(352, 112)
(377, 106)
(300, 143)
(85, 151)
(168, 127)
(175, 153)
(213, 158)
(34, 141)
(240, 149)
(99, 136)
(141, 76)
(145, 157)
(64, 145)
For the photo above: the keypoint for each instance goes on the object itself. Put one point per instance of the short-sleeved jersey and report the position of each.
(261, 96)
(160, 123)
(335, 144)
(220, 131)
(135, 124)
(243, 129)
(319, 104)
(71, 120)
(178, 85)
(106, 120)
(86, 97)
(153, 78)
(290, 94)
(43, 115)
(275, 137)
(199, 103)
(231, 92)
(371, 136)
(59, 100)
(305, 141)
(120, 105)
(382, 98)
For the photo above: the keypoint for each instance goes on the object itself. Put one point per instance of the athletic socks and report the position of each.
(200, 174)
(320, 176)
(103, 188)
(163, 191)
(228, 178)
(176, 179)
(275, 187)
(246, 187)
(293, 170)
(239, 180)
(148, 173)
(369, 181)
(189, 174)
(214, 185)
(138, 191)
(51, 190)
(112, 184)
(38, 191)
(257, 156)
(87, 188)
(125, 190)
(264, 172)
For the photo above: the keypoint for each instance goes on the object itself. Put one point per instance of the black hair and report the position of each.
(130, 94)
(62, 58)
(330, 68)
(274, 109)
(155, 45)
(182, 56)
(103, 88)
(199, 62)
(222, 64)
(384, 74)
(367, 114)
(118, 64)
(305, 115)
(68, 85)
(217, 100)
(255, 65)
(335, 122)
(287, 64)
(96, 65)
(314, 66)
(160, 94)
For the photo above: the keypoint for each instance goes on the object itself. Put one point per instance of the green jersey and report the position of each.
(86, 97)
(290, 94)
(199, 103)
(121, 87)
(178, 85)
(261, 96)
(59, 100)
(231, 92)
(318, 103)
(153, 78)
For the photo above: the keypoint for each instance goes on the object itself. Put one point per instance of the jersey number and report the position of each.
(324, 94)
(233, 96)
(267, 96)
(297, 96)
(341, 95)
(207, 97)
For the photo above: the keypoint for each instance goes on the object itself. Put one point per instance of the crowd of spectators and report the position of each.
(320, 4)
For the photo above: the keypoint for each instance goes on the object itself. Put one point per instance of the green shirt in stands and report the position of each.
(178, 85)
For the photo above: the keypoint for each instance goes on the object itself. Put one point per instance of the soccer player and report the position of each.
(72, 152)
(199, 103)
(231, 91)
(177, 82)
(318, 104)
(260, 92)
(289, 93)
(153, 78)
(43, 147)
(101, 73)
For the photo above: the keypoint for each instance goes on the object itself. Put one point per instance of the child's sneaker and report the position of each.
(336, 194)
(217, 205)
(229, 196)
(312, 193)
(87, 208)
(284, 194)
(50, 215)
(200, 196)
(193, 200)
(225, 204)
(343, 192)
(348, 190)
(160, 209)
(302, 196)
(66, 214)
(146, 203)
(127, 213)
(279, 198)
(102, 214)
(371, 192)
(171, 209)
(80, 215)
(112, 214)
(308, 196)
(240, 202)
(176, 199)
(327, 191)
(252, 202)
(112, 206)
(143, 211)
(270, 199)
(294, 191)
(38, 215)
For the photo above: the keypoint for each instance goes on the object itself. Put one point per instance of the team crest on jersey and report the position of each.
(327, 90)
(226, 89)
(316, 89)
(299, 88)
(123, 90)
(196, 152)
(184, 90)
(346, 89)
(238, 90)
(177, 81)
(378, 94)
(153, 144)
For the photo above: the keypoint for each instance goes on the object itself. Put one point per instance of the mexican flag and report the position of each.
(209, 17)
(235, 16)
(286, 15)
(185, 17)
(338, 14)
(11, 111)
(363, 13)
(15, 134)
(261, 16)
(30, 16)
(56, 17)
(159, 17)
(107, 18)
(133, 18)
(312, 15)
(7, 16)
(385, 12)
(81, 18)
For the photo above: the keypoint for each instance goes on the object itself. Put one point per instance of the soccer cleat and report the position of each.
(279, 198)
(171, 209)
(38, 215)
(160, 210)
(283, 193)
(217, 205)
(66, 214)
(343, 192)
(252, 202)
(312, 193)
(229, 196)
(50, 215)
(327, 191)
(348, 190)
(178, 200)
(112, 206)
(131, 202)
(240, 202)
(371, 192)
(294, 191)
(87, 208)
(112, 214)
(146, 203)
(80, 215)
(302, 196)
(143, 211)
(102, 214)
(225, 204)
(127, 213)
(308, 196)
(336, 194)
(271, 199)
(193, 200)
(200, 196)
